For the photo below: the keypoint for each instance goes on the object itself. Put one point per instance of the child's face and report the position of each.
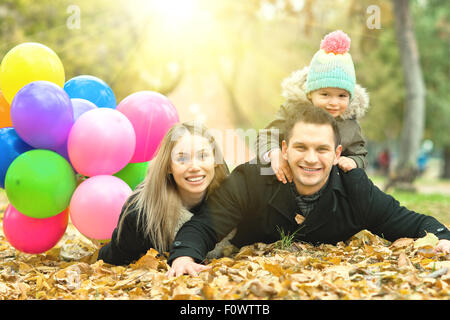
(333, 100)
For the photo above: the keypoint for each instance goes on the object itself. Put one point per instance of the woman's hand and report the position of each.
(443, 246)
(186, 265)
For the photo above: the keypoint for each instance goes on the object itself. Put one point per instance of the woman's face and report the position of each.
(192, 166)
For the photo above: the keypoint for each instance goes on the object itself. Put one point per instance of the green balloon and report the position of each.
(133, 173)
(40, 183)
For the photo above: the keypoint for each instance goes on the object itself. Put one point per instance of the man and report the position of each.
(323, 204)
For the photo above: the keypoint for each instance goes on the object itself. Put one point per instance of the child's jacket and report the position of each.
(294, 91)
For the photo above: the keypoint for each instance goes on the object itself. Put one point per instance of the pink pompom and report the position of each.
(337, 42)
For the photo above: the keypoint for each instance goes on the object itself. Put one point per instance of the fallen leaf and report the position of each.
(402, 243)
(276, 270)
(439, 265)
(364, 267)
(146, 262)
(209, 292)
(245, 251)
(403, 261)
(260, 289)
(334, 260)
(130, 281)
(299, 218)
(437, 273)
(430, 240)
(426, 251)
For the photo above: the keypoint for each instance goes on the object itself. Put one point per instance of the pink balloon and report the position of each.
(96, 205)
(102, 141)
(33, 235)
(152, 115)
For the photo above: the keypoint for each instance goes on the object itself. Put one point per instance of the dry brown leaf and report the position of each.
(334, 260)
(403, 261)
(299, 218)
(223, 261)
(365, 267)
(430, 240)
(305, 276)
(426, 251)
(245, 251)
(402, 243)
(260, 289)
(209, 292)
(300, 246)
(130, 280)
(146, 262)
(438, 265)
(276, 270)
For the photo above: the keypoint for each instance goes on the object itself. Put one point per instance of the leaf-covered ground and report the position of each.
(365, 267)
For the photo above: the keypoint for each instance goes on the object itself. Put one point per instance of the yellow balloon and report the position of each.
(26, 63)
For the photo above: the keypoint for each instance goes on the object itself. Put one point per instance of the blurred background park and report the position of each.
(222, 62)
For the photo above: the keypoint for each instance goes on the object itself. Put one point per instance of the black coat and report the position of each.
(260, 206)
(132, 243)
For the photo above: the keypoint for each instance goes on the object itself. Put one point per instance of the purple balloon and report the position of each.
(42, 115)
(62, 151)
(80, 106)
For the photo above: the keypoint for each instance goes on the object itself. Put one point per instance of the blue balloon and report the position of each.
(92, 89)
(11, 146)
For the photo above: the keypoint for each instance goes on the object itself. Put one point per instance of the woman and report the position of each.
(186, 169)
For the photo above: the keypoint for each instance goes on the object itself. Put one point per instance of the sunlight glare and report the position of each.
(175, 11)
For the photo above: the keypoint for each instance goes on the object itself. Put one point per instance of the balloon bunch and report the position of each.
(68, 150)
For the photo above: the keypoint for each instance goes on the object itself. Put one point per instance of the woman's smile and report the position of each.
(196, 180)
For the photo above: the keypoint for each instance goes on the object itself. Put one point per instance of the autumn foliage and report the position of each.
(364, 267)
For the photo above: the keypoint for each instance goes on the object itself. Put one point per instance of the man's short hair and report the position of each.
(313, 115)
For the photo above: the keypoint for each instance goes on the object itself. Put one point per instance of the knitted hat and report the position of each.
(332, 65)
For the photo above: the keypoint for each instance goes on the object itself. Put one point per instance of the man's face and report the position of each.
(311, 153)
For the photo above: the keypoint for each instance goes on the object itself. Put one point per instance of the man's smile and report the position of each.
(309, 169)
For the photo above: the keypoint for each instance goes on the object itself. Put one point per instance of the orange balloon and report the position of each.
(5, 112)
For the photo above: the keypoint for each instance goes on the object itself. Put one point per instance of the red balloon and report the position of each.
(33, 235)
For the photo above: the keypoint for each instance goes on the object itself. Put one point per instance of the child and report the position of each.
(328, 83)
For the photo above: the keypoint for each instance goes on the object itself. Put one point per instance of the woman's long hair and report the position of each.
(156, 199)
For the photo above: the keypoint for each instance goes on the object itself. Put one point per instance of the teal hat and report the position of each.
(332, 66)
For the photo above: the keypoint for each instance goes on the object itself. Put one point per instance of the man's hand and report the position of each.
(186, 265)
(346, 163)
(280, 166)
(443, 246)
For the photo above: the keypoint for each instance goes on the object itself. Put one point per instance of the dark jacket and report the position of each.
(133, 242)
(260, 206)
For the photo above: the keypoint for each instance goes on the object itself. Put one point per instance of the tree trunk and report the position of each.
(414, 113)
(240, 120)
(228, 73)
(446, 169)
